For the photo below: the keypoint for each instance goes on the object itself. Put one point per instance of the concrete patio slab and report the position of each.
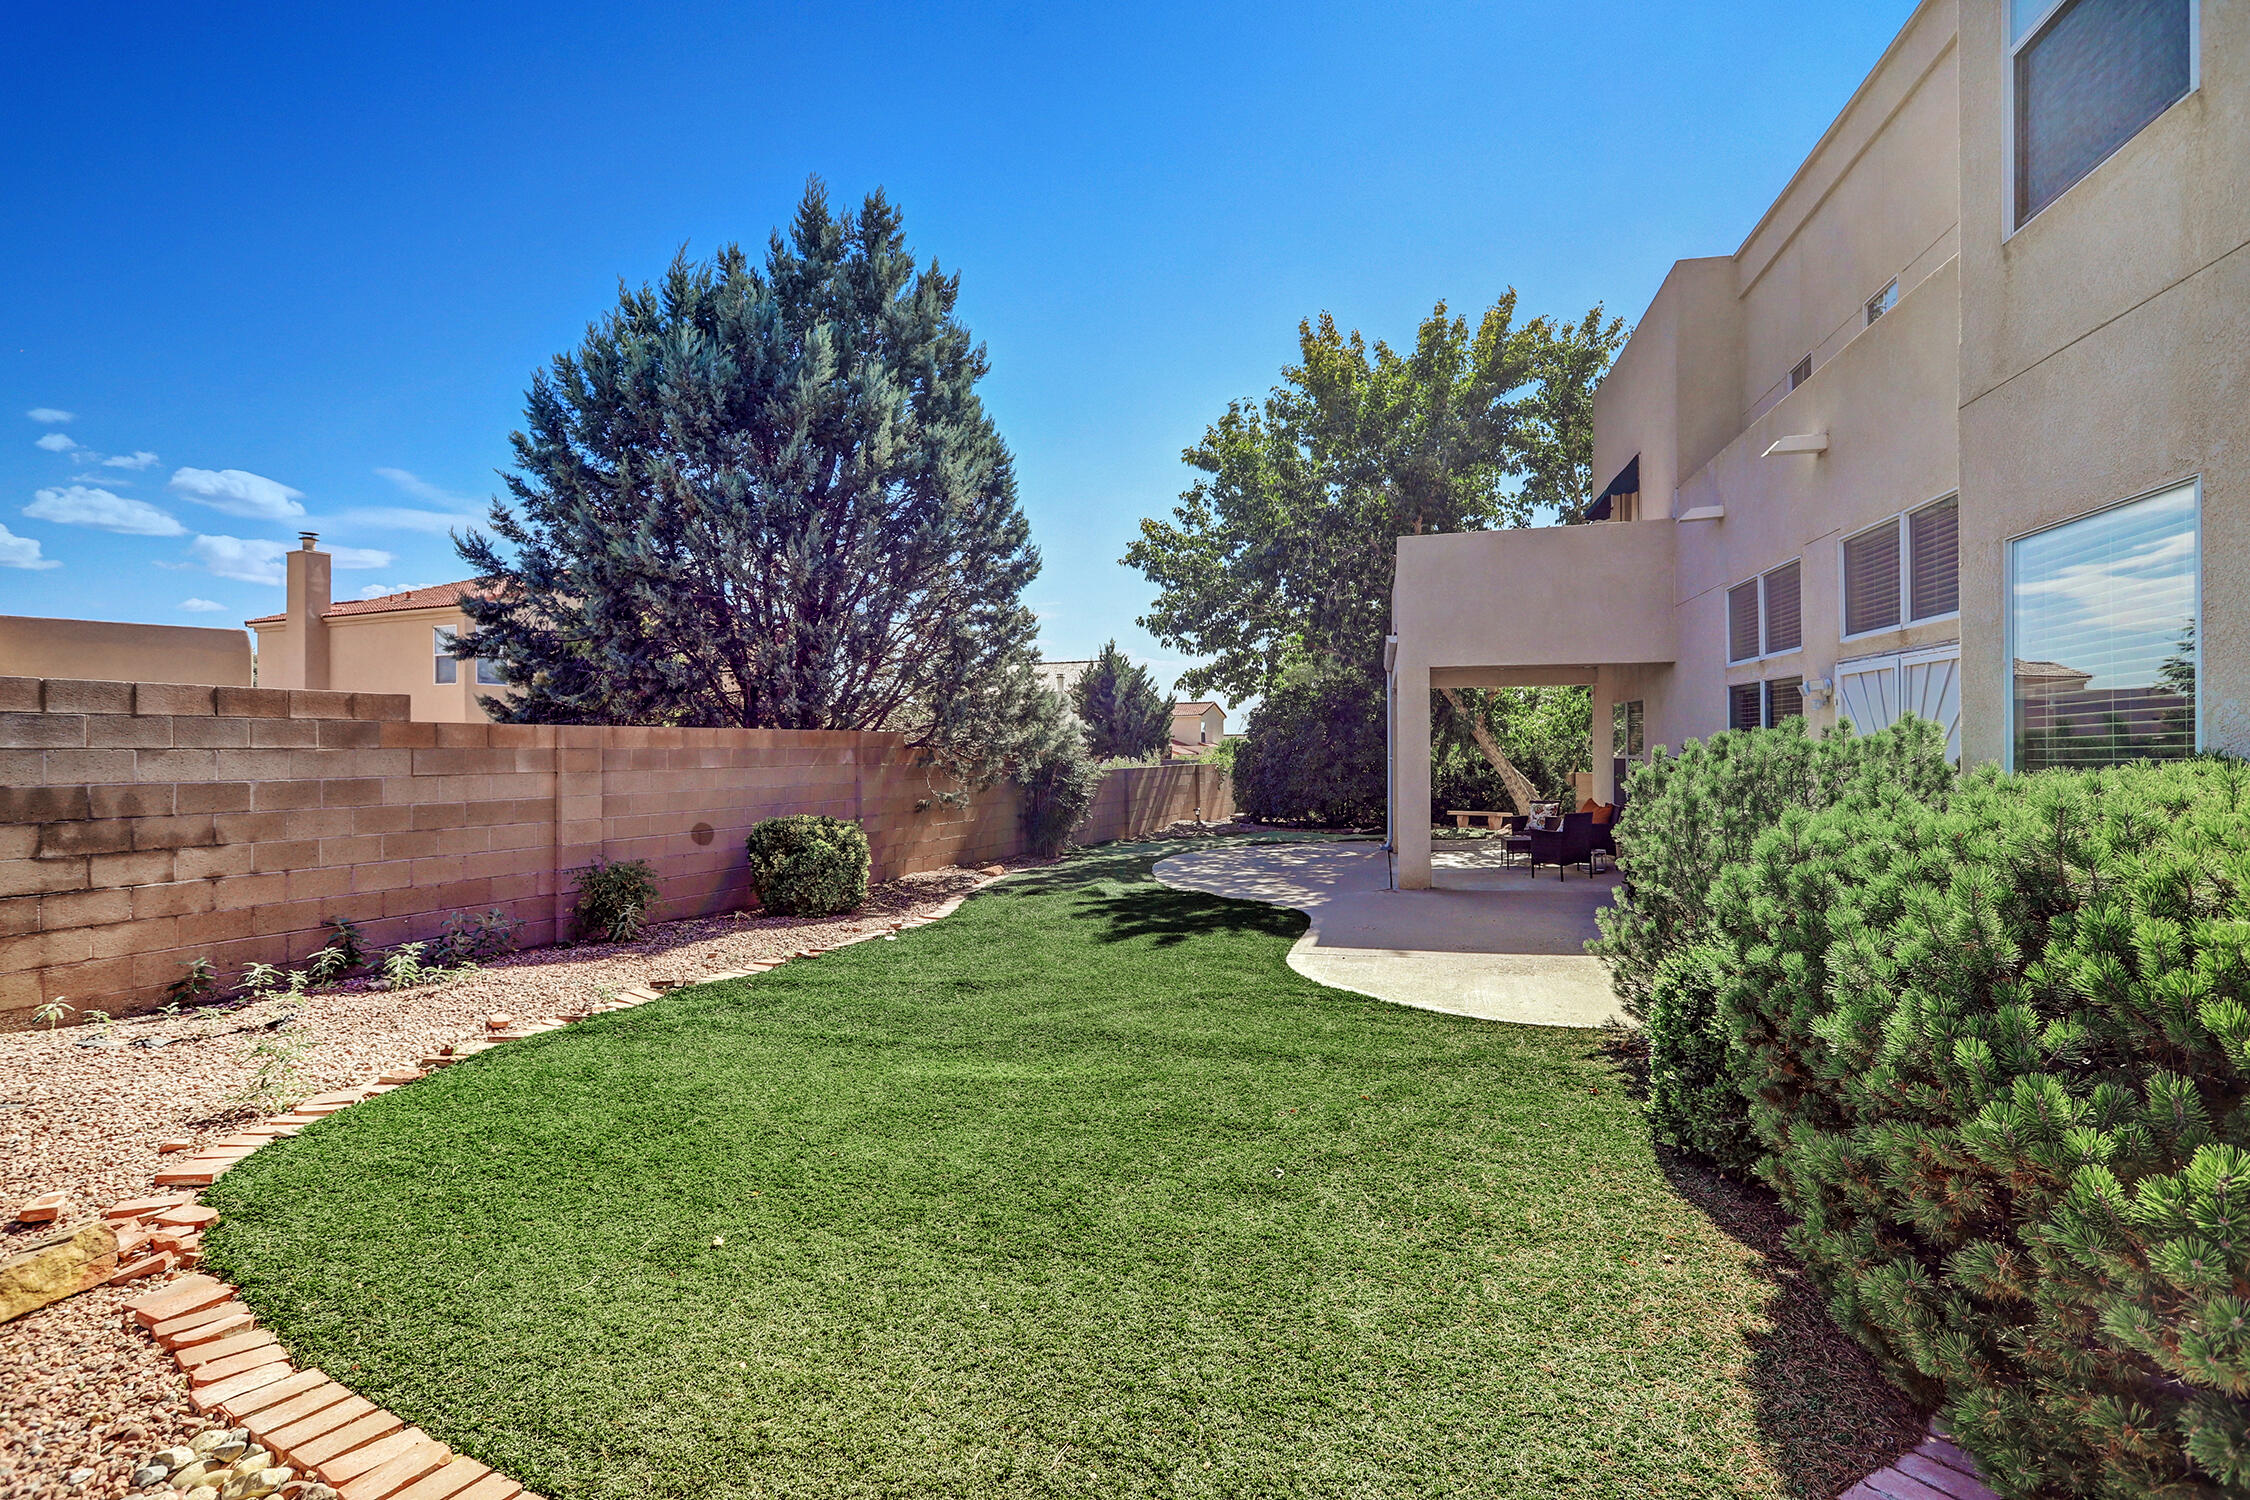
(1487, 940)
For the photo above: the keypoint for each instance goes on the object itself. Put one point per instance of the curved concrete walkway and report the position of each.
(1488, 940)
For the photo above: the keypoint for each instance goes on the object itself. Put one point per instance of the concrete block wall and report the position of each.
(144, 824)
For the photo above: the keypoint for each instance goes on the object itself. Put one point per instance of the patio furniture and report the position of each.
(1571, 844)
(1461, 816)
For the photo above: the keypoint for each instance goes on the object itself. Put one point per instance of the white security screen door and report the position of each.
(1874, 692)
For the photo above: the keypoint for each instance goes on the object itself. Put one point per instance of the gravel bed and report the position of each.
(82, 1395)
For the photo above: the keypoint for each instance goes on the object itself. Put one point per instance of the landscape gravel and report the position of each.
(83, 1395)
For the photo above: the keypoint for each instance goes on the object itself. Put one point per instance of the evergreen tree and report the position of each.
(768, 497)
(1125, 716)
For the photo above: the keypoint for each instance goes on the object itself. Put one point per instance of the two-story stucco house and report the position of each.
(1961, 429)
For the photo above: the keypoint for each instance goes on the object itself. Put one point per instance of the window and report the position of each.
(1742, 621)
(1785, 699)
(1745, 705)
(448, 665)
(2087, 76)
(1933, 560)
(488, 673)
(1871, 579)
(1628, 731)
(1785, 626)
(1800, 372)
(1905, 570)
(1765, 615)
(1882, 302)
(2102, 636)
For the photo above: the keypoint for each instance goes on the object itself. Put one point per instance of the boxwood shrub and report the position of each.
(1997, 1052)
(808, 866)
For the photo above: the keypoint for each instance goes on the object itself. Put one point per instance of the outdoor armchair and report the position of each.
(1571, 844)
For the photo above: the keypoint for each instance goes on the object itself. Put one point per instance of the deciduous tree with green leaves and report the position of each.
(769, 496)
(1278, 559)
(1125, 716)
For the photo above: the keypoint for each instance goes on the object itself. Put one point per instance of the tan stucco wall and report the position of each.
(113, 651)
(392, 652)
(2105, 353)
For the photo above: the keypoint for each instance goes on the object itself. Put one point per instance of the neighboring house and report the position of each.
(1061, 676)
(1961, 429)
(391, 644)
(115, 651)
(1196, 729)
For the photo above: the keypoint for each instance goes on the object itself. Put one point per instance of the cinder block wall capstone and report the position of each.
(145, 824)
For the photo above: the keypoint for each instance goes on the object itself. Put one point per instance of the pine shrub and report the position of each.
(808, 866)
(1689, 817)
(1997, 1053)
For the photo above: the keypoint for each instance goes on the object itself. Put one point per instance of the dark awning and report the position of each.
(1627, 482)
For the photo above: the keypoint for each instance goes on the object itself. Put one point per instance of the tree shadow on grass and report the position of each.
(1168, 917)
(1827, 1415)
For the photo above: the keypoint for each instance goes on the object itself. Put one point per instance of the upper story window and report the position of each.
(448, 665)
(2102, 635)
(1882, 302)
(2087, 75)
(1800, 372)
(1765, 615)
(1905, 569)
(488, 673)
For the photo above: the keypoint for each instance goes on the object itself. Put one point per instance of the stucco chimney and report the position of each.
(303, 655)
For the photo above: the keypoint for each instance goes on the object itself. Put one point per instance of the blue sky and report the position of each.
(279, 267)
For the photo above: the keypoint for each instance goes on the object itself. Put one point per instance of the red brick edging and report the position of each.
(1937, 1470)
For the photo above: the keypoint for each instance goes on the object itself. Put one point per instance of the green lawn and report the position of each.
(1080, 1192)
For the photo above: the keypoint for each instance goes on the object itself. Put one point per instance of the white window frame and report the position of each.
(441, 637)
(1906, 615)
(1882, 302)
(1726, 596)
(2008, 611)
(2010, 226)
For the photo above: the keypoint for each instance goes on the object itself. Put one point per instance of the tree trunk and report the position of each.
(1520, 789)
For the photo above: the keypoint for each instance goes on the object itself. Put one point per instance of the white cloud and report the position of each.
(22, 552)
(50, 415)
(420, 488)
(239, 492)
(360, 559)
(403, 518)
(83, 505)
(378, 590)
(252, 560)
(57, 442)
(140, 460)
(202, 606)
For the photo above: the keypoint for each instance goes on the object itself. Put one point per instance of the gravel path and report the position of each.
(82, 1394)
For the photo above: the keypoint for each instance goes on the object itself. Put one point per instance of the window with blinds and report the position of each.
(1783, 589)
(1628, 738)
(2087, 79)
(1745, 705)
(1933, 560)
(1871, 582)
(1800, 372)
(2102, 619)
(1742, 621)
(1785, 699)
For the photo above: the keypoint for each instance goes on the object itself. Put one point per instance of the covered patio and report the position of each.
(1554, 606)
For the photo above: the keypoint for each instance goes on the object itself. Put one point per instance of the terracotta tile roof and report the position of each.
(436, 596)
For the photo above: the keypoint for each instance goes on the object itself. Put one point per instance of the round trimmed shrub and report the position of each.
(808, 866)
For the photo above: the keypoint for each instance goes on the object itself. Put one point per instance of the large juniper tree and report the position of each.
(768, 497)
(1125, 716)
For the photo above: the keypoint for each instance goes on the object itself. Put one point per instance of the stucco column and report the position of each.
(1410, 772)
(1605, 762)
(303, 657)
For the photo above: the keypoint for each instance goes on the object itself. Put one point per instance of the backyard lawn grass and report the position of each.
(1082, 1191)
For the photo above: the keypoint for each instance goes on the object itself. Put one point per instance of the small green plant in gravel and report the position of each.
(194, 987)
(51, 1014)
(404, 968)
(615, 897)
(345, 937)
(470, 939)
(276, 1079)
